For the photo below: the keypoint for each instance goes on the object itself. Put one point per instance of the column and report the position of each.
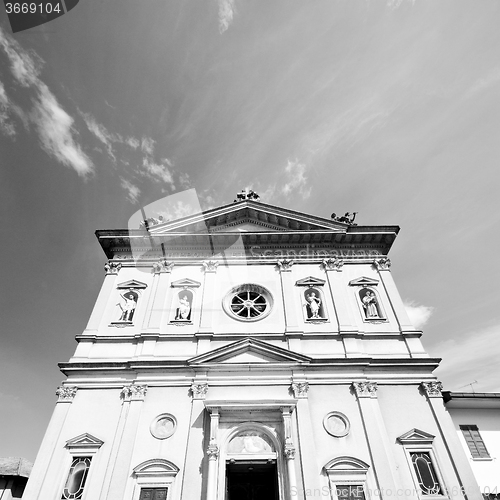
(194, 450)
(40, 485)
(346, 322)
(292, 330)
(123, 446)
(384, 465)
(289, 450)
(213, 455)
(458, 459)
(309, 466)
(112, 269)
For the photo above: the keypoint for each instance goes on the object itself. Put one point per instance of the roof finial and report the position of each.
(247, 194)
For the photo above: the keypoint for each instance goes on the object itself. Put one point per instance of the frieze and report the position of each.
(134, 392)
(365, 389)
(66, 394)
(432, 389)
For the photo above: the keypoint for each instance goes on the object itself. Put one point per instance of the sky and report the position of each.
(390, 108)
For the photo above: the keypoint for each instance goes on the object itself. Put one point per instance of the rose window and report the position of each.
(248, 302)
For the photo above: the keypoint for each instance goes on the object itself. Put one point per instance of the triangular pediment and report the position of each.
(84, 441)
(249, 350)
(310, 281)
(363, 281)
(416, 436)
(185, 283)
(248, 216)
(132, 284)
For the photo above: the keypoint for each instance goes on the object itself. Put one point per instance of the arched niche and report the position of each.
(314, 304)
(370, 304)
(182, 305)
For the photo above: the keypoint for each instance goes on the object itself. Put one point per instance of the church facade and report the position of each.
(250, 352)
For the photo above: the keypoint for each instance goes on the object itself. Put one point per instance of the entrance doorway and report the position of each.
(251, 481)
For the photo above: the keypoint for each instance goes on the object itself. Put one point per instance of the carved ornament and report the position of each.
(112, 267)
(134, 392)
(213, 451)
(383, 264)
(289, 452)
(432, 389)
(66, 393)
(300, 389)
(199, 391)
(210, 266)
(285, 265)
(333, 264)
(163, 266)
(365, 389)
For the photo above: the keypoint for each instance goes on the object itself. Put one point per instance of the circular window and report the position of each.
(248, 302)
(336, 424)
(163, 426)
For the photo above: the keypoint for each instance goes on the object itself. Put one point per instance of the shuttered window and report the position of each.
(474, 441)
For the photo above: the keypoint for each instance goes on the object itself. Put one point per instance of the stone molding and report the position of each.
(365, 389)
(112, 267)
(134, 392)
(199, 391)
(285, 265)
(432, 389)
(382, 264)
(66, 394)
(333, 264)
(163, 266)
(300, 389)
(210, 266)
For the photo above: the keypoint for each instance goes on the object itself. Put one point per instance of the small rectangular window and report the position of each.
(350, 492)
(474, 441)
(153, 494)
(426, 474)
(78, 472)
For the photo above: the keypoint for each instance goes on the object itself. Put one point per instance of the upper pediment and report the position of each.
(84, 441)
(416, 436)
(249, 350)
(248, 216)
(363, 281)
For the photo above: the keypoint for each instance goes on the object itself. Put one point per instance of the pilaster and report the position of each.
(161, 280)
(208, 303)
(384, 465)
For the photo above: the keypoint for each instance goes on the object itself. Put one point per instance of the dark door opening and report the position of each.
(251, 481)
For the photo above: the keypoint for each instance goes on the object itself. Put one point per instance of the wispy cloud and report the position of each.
(100, 131)
(132, 142)
(473, 357)
(158, 171)
(394, 4)
(295, 179)
(148, 145)
(133, 192)
(490, 80)
(419, 314)
(54, 125)
(6, 125)
(226, 14)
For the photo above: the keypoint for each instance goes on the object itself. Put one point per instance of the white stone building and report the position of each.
(476, 416)
(250, 352)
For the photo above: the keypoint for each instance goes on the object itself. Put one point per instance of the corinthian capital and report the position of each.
(382, 264)
(199, 391)
(300, 389)
(333, 264)
(365, 389)
(285, 265)
(432, 389)
(163, 266)
(289, 452)
(210, 266)
(213, 451)
(134, 392)
(112, 267)
(66, 393)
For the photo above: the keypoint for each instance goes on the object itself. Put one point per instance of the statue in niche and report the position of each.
(313, 305)
(183, 311)
(370, 305)
(129, 305)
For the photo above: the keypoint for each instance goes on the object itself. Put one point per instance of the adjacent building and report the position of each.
(250, 352)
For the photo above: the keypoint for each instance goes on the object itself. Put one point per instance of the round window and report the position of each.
(248, 302)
